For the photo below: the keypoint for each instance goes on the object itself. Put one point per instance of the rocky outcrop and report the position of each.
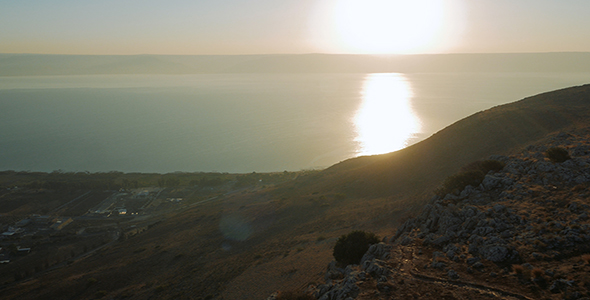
(488, 219)
(531, 210)
(341, 283)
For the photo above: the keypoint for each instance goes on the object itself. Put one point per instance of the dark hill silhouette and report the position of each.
(347, 63)
(41, 64)
(139, 64)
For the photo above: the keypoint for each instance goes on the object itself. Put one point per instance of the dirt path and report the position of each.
(487, 290)
(408, 268)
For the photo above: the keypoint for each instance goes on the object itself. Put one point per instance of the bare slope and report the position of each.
(417, 170)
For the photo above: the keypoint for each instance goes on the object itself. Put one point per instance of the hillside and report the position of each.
(248, 243)
(524, 233)
(415, 171)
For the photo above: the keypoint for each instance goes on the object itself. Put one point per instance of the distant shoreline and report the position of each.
(62, 64)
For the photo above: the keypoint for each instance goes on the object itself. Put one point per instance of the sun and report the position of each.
(388, 26)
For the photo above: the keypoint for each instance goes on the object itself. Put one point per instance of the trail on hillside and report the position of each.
(407, 267)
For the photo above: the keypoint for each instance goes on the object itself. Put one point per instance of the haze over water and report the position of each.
(238, 122)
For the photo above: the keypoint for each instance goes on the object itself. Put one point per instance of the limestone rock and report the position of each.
(453, 274)
(379, 251)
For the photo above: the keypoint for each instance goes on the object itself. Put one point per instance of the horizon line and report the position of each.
(297, 54)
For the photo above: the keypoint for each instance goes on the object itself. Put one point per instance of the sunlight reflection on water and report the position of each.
(385, 120)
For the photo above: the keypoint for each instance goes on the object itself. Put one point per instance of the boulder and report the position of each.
(453, 274)
(499, 208)
(376, 268)
(342, 290)
(498, 253)
(490, 182)
(560, 285)
(472, 260)
(377, 251)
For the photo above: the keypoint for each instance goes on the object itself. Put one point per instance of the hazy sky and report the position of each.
(292, 26)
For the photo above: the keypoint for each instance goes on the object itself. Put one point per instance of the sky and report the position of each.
(293, 26)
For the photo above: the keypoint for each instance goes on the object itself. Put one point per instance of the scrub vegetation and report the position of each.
(557, 154)
(350, 248)
(472, 174)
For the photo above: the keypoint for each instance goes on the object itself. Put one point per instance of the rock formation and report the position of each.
(520, 234)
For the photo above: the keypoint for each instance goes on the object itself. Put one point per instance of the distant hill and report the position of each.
(416, 170)
(41, 64)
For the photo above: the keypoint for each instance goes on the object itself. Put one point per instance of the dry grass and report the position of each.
(294, 295)
(578, 188)
(537, 273)
(586, 258)
(518, 269)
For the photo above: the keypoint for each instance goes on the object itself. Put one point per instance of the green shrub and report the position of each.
(339, 196)
(459, 181)
(557, 154)
(350, 248)
(484, 166)
(471, 174)
(91, 281)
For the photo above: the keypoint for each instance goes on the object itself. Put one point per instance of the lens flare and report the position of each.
(235, 228)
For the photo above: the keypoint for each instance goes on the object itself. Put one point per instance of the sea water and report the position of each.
(238, 122)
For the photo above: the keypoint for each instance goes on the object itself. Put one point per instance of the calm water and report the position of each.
(238, 122)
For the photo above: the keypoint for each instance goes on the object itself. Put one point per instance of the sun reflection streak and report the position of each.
(385, 120)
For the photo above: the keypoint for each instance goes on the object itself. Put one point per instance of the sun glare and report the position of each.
(388, 26)
(385, 120)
